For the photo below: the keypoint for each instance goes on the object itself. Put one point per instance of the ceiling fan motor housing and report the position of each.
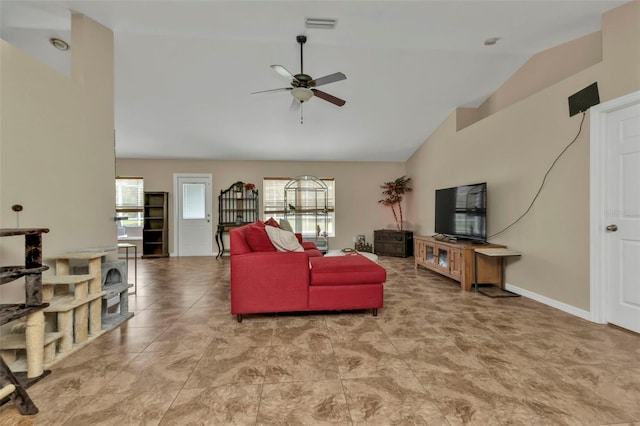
(301, 80)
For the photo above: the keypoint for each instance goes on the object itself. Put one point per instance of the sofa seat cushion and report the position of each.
(345, 270)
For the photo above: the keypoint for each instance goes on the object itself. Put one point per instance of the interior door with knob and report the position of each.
(622, 227)
(193, 215)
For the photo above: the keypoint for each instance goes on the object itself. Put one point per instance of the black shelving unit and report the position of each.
(155, 234)
(237, 206)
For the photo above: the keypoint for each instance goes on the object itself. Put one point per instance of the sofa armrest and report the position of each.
(309, 245)
(269, 282)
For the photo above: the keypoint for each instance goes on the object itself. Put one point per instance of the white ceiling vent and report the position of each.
(324, 23)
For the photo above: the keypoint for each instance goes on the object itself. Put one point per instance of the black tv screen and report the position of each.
(461, 211)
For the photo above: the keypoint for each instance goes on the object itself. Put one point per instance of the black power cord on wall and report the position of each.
(584, 113)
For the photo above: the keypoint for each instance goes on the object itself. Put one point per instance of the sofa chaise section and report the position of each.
(277, 281)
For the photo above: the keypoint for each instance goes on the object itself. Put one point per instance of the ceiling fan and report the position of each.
(303, 86)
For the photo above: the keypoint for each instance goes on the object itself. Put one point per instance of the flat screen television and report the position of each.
(461, 212)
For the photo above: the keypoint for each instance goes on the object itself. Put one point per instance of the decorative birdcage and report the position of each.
(306, 200)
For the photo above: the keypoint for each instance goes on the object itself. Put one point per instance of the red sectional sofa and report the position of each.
(264, 280)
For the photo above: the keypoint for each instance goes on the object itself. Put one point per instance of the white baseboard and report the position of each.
(580, 313)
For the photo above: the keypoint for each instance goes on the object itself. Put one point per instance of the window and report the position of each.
(129, 207)
(273, 200)
(194, 201)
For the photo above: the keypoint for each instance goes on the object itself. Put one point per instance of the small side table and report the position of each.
(127, 246)
(493, 290)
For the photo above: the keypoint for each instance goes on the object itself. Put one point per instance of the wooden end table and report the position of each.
(501, 254)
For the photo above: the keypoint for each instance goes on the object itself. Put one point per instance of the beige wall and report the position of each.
(544, 69)
(57, 152)
(512, 149)
(621, 49)
(357, 187)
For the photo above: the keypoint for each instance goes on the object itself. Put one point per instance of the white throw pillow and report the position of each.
(284, 224)
(283, 240)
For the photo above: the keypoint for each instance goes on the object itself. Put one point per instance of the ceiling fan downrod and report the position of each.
(302, 40)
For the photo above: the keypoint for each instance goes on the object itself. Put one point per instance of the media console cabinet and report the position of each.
(455, 259)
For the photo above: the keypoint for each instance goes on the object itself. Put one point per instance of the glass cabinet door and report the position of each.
(443, 258)
(430, 254)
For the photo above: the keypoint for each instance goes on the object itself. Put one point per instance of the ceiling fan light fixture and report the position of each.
(322, 23)
(301, 94)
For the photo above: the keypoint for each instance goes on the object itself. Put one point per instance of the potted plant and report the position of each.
(393, 194)
(249, 187)
(397, 242)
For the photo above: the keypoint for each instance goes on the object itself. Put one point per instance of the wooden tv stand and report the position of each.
(455, 259)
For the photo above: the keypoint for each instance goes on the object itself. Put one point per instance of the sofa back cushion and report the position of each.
(238, 240)
(272, 222)
(257, 238)
(284, 224)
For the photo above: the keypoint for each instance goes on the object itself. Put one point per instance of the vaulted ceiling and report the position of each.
(185, 69)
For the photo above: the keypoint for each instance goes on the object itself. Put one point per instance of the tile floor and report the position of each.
(433, 355)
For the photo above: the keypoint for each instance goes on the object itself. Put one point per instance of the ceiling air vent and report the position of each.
(324, 23)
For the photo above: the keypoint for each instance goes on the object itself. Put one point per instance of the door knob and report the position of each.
(612, 228)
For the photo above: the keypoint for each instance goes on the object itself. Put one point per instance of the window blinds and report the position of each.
(129, 194)
(273, 194)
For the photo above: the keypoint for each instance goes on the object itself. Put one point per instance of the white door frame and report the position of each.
(598, 215)
(176, 205)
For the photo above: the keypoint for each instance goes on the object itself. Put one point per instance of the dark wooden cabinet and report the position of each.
(387, 242)
(156, 228)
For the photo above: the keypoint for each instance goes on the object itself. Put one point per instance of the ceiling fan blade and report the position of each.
(283, 72)
(295, 105)
(282, 89)
(331, 78)
(329, 98)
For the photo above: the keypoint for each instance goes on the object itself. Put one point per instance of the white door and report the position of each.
(622, 200)
(193, 215)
